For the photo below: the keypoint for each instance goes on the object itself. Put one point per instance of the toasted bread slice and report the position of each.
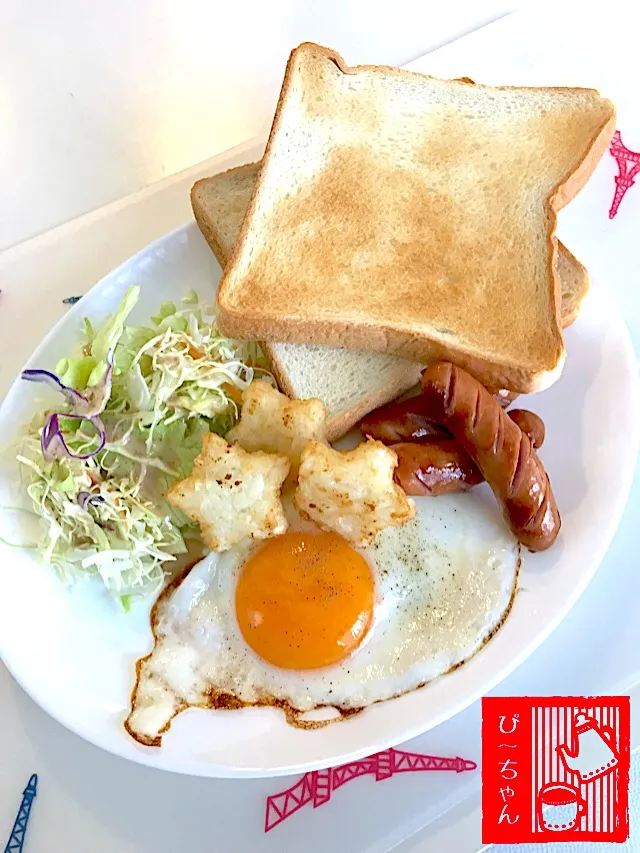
(404, 214)
(574, 285)
(350, 383)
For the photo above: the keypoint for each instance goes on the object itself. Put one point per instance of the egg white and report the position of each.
(444, 583)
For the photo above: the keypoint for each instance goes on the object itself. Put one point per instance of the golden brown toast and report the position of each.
(402, 214)
(350, 383)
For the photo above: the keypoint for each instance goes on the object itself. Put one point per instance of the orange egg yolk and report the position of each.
(305, 600)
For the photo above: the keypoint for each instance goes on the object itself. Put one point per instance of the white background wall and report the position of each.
(99, 98)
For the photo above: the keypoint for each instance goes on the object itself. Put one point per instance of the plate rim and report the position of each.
(212, 769)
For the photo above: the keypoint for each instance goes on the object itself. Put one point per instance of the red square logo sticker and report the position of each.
(555, 769)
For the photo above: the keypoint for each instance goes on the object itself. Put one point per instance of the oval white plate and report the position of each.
(74, 653)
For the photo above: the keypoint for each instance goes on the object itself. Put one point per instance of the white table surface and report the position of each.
(88, 160)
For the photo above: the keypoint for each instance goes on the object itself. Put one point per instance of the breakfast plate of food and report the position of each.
(305, 478)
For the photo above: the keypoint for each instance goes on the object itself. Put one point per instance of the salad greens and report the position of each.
(137, 400)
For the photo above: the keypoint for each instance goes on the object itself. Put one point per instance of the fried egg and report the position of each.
(306, 621)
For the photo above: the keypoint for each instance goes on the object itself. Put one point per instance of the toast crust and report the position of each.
(208, 228)
(395, 337)
(574, 287)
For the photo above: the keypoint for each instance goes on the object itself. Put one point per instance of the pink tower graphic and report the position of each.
(628, 167)
(317, 785)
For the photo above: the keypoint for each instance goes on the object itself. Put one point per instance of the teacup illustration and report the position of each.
(559, 806)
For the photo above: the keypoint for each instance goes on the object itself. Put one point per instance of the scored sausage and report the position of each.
(440, 466)
(402, 421)
(406, 420)
(434, 468)
(502, 452)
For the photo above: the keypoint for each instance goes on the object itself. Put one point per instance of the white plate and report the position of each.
(74, 653)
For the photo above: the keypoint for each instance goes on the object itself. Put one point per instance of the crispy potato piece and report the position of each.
(270, 421)
(233, 494)
(351, 492)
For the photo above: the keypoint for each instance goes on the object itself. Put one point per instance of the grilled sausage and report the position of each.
(502, 452)
(434, 468)
(402, 421)
(407, 421)
(441, 466)
(530, 424)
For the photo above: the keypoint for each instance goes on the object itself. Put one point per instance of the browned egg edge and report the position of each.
(218, 700)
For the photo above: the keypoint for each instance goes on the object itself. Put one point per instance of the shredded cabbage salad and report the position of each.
(136, 401)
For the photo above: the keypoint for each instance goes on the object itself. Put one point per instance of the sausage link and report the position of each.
(434, 468)
(530, 424)
(441, 466)
(407, 420)
(502, 452)
(402, 421)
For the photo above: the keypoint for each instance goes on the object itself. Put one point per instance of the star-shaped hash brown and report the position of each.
(233, 494)
(351, 492)
(270, 421)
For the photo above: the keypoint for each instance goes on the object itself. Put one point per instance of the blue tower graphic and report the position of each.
(16, 839)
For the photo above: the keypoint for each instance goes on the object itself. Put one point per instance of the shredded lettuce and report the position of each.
(90, 368)
(110, 334)
(174, 379)
(122, 540)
